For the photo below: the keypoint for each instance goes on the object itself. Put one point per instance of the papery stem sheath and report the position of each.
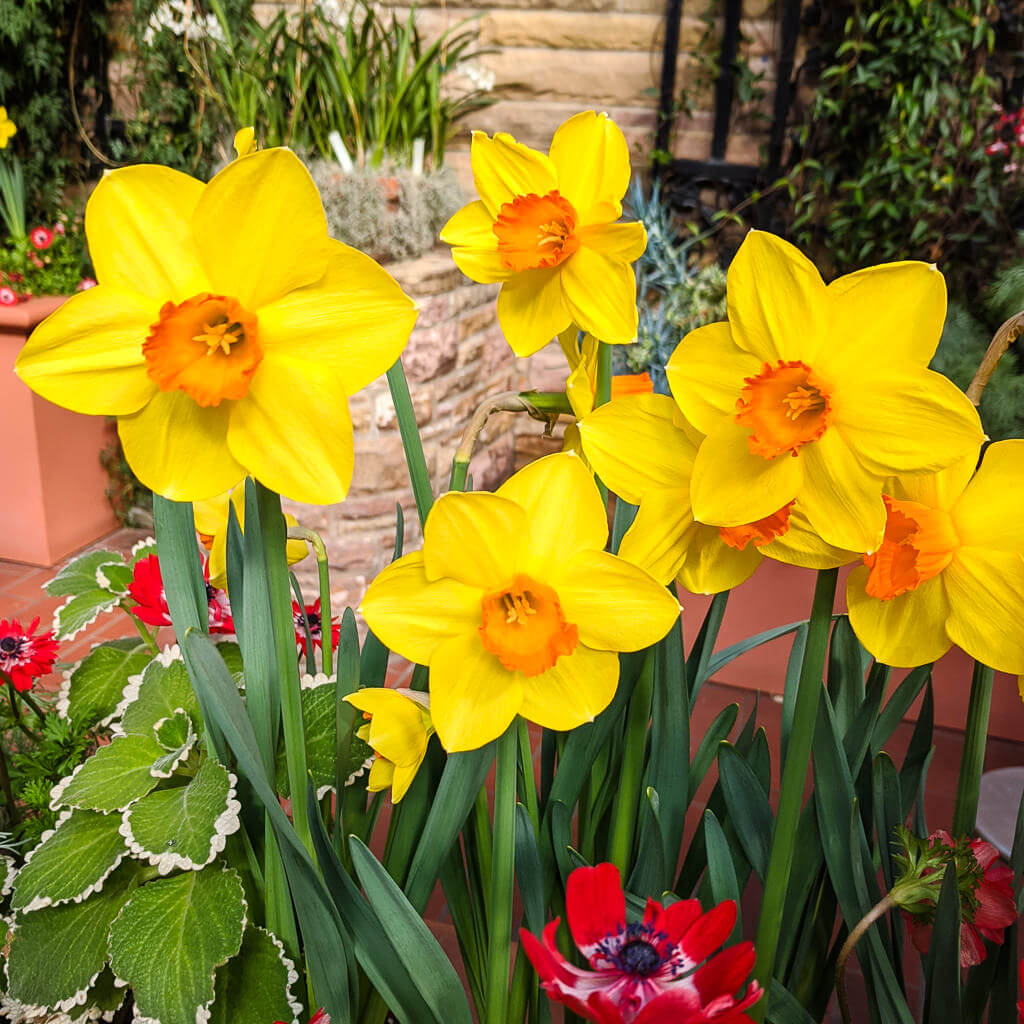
(794, 778)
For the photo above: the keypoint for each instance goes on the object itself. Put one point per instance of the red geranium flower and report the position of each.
(8, 296)
(657, 971)
(40, 237)
(315, 626)
(25, 657)
(147, 590)
(996, 910)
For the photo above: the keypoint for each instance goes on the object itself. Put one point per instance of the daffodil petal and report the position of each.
(986, 601)
(396, 724)
(563, 509)
(504, 169)
(413, 615)
(887, 313)
(472, 227)
(731, 486)
(614, 605)
(292, 430)
(937, 490)
(619, 241)
(662, 534)
(591, 158)
(475, 539)
(260, 228)
(905, 631)
(473, 699)
(600, 293)
(482, 265)
(706, 373)
(988, 514)
(906, 419)
(138, 222)
(776, 300)
(840, 497)
(179, 449)
(801, 545)
(579, 687)
(635, 447)
(87, 355)
(712, 566)
(402, 779)
(531, 310)
(354, 321)
(382, 775)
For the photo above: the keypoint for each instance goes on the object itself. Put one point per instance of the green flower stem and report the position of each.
(414, 458)
(528, 793)
(147, 637)
(16, 695)
(5, 786)
(794, 778)
(603, 388)
(628, 797)
(499, 903)
(880, 909)
(482, 836)
(273, 531)
(16, 718)
(972, 760)
(316, 542)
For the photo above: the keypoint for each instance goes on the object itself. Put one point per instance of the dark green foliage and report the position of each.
(890, 161)
(39, 41)
(55, 270)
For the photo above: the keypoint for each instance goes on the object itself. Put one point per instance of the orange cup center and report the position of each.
(536, 231)
(207, 346)
(760, 532)
(524, 627)
(784, 406)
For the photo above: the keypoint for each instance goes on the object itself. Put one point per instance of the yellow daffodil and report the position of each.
(211, 519)
(950, 569)
(544, 226)
(516, 607)
(227, 330)
(644, 450)
(398, 729)
(7, 128)
(581, 384)
(818, 393)
(245, 141)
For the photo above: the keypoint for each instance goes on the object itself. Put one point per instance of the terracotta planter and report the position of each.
(54, 488)
(777, 594)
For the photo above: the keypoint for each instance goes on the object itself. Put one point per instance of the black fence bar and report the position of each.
(790, 30)
(667, 92)
(725, 85)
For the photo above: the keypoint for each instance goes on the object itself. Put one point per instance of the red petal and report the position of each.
(997, 907)
(709, 931)
(674, 920)
(595, 906)
(726, 972)
(547, 961)
(984, 853)
(972, 949)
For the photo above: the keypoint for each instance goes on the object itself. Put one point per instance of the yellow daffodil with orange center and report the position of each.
(227, 330)
(516, 606)
(642, 447)
(7, 128)
(545, 227)
(818, 393)
(950, 569)
(211, 520)
(581, 385)
(398, 729)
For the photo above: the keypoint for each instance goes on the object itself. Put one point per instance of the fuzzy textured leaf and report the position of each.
(256, 986)
(94, 689)
(81, 610)
(162, 690)
(114, 777)
(171, 937)
(71, 862)
(79, 575)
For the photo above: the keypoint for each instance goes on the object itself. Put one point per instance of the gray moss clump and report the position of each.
(390, 214)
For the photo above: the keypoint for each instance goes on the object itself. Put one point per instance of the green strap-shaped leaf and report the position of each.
(80, 611)
(160, 691)
(186, 827)
(171, 937)
(256, 987)
(79, 575)
(114, 777)
(92, 691)
(57, 953)
(71, 862)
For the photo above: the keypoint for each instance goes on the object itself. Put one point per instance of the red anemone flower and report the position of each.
(657, 971)
(147, 590)
(8, 296)
(25, 657)
(315, 627)
(41, 238)
(996, 910)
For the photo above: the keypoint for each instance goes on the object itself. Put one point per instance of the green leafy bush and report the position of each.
(891, 158)
(46, 262)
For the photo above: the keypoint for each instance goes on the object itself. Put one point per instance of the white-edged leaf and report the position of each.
(114, 777)
(176, 729)
(79, 575)
(161, 690)
(92, 690)
(142, 549)
(71, 862)
(57, 953)
(114, 576)
(171, 937)
(186, 827)
(8, 872)
(256, 986)
(80, 611)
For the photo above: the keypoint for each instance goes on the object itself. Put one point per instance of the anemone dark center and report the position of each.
(8, 645)
(211, 592)
(639, 957)
(314, 621)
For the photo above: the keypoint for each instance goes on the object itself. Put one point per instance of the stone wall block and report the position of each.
(431, 351)
(476, 320)
(384, 415)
